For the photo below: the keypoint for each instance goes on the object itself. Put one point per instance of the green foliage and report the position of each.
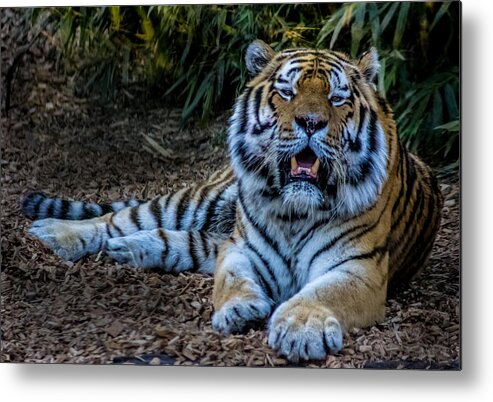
(194, 54)
(419, 55)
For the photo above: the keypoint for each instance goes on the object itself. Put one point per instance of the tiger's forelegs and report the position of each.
(310, 325)
(239, 301)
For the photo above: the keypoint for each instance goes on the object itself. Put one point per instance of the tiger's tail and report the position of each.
(37, 205)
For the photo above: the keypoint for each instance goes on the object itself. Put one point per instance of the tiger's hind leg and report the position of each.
(71, 240)
(208, 206)
(171, 250)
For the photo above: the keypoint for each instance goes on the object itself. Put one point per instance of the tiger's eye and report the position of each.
(286, 92)
(336, 99)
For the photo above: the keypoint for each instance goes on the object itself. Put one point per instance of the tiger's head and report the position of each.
(307, 131)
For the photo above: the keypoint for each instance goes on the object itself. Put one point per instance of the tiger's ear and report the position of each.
(368, 64)
(258, 55)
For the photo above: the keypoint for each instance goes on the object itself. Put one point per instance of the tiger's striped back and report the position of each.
(416, 216)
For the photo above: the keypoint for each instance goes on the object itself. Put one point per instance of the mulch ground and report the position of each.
(97, 311)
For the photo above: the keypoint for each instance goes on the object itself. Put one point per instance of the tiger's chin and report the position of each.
(301, 196)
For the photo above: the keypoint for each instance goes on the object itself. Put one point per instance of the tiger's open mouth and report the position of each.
(303, 166)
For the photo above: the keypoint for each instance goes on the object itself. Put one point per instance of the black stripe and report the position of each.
(334, 57)
(120, 232)
(366, 229)
(292, 217)
(134, 216)
(203, 196)
(365, 169)
(368, 285)
(371, 227)
(50, 211)
(156, 211)
(216, 250)
(269, 271)
(106, 208)
(193, 251)
(355, 90)
(258, 101)
(363, 256)
(108, 231)
(250, 162)
(292, 70)
(85, 214)
(418, 208)
(390, 149)
(164, 238)
(410, 183)
(308, 72)
(330, 65)
(355, 146)
(205, 248)
(244, 111)
(337, 75)
(262, 282)
(304, 238)
(382, 103)
(37, 206)
(181, 207)
(329, 245)
(299, 59)
(262, 230)
(211, 209)
(426, 230)
(372, 131)
(362, 118)
(401, 180)
(64, 210)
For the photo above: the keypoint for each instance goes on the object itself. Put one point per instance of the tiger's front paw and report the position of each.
(302, 331)
(238, 315)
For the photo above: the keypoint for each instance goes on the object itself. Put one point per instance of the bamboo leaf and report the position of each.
(453, 126)
(450, 95)
(437, 109)
(388, 17)
(440, 13)
(374, 18)
(197, 97)
(401, 24)
(381, 77)
(345, 19)
(116, 18)
(357, 31)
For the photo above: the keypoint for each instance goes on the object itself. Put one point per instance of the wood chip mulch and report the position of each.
(96, 311)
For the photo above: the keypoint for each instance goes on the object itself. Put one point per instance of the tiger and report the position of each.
(320, 213)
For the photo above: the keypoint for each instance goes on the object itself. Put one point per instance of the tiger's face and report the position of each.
(306, 129)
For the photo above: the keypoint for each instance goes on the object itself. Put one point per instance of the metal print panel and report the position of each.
(232, 185)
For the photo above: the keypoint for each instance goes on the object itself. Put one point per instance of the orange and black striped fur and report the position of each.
(321, 212)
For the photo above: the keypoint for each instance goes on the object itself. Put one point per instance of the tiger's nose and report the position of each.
(310, 123)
